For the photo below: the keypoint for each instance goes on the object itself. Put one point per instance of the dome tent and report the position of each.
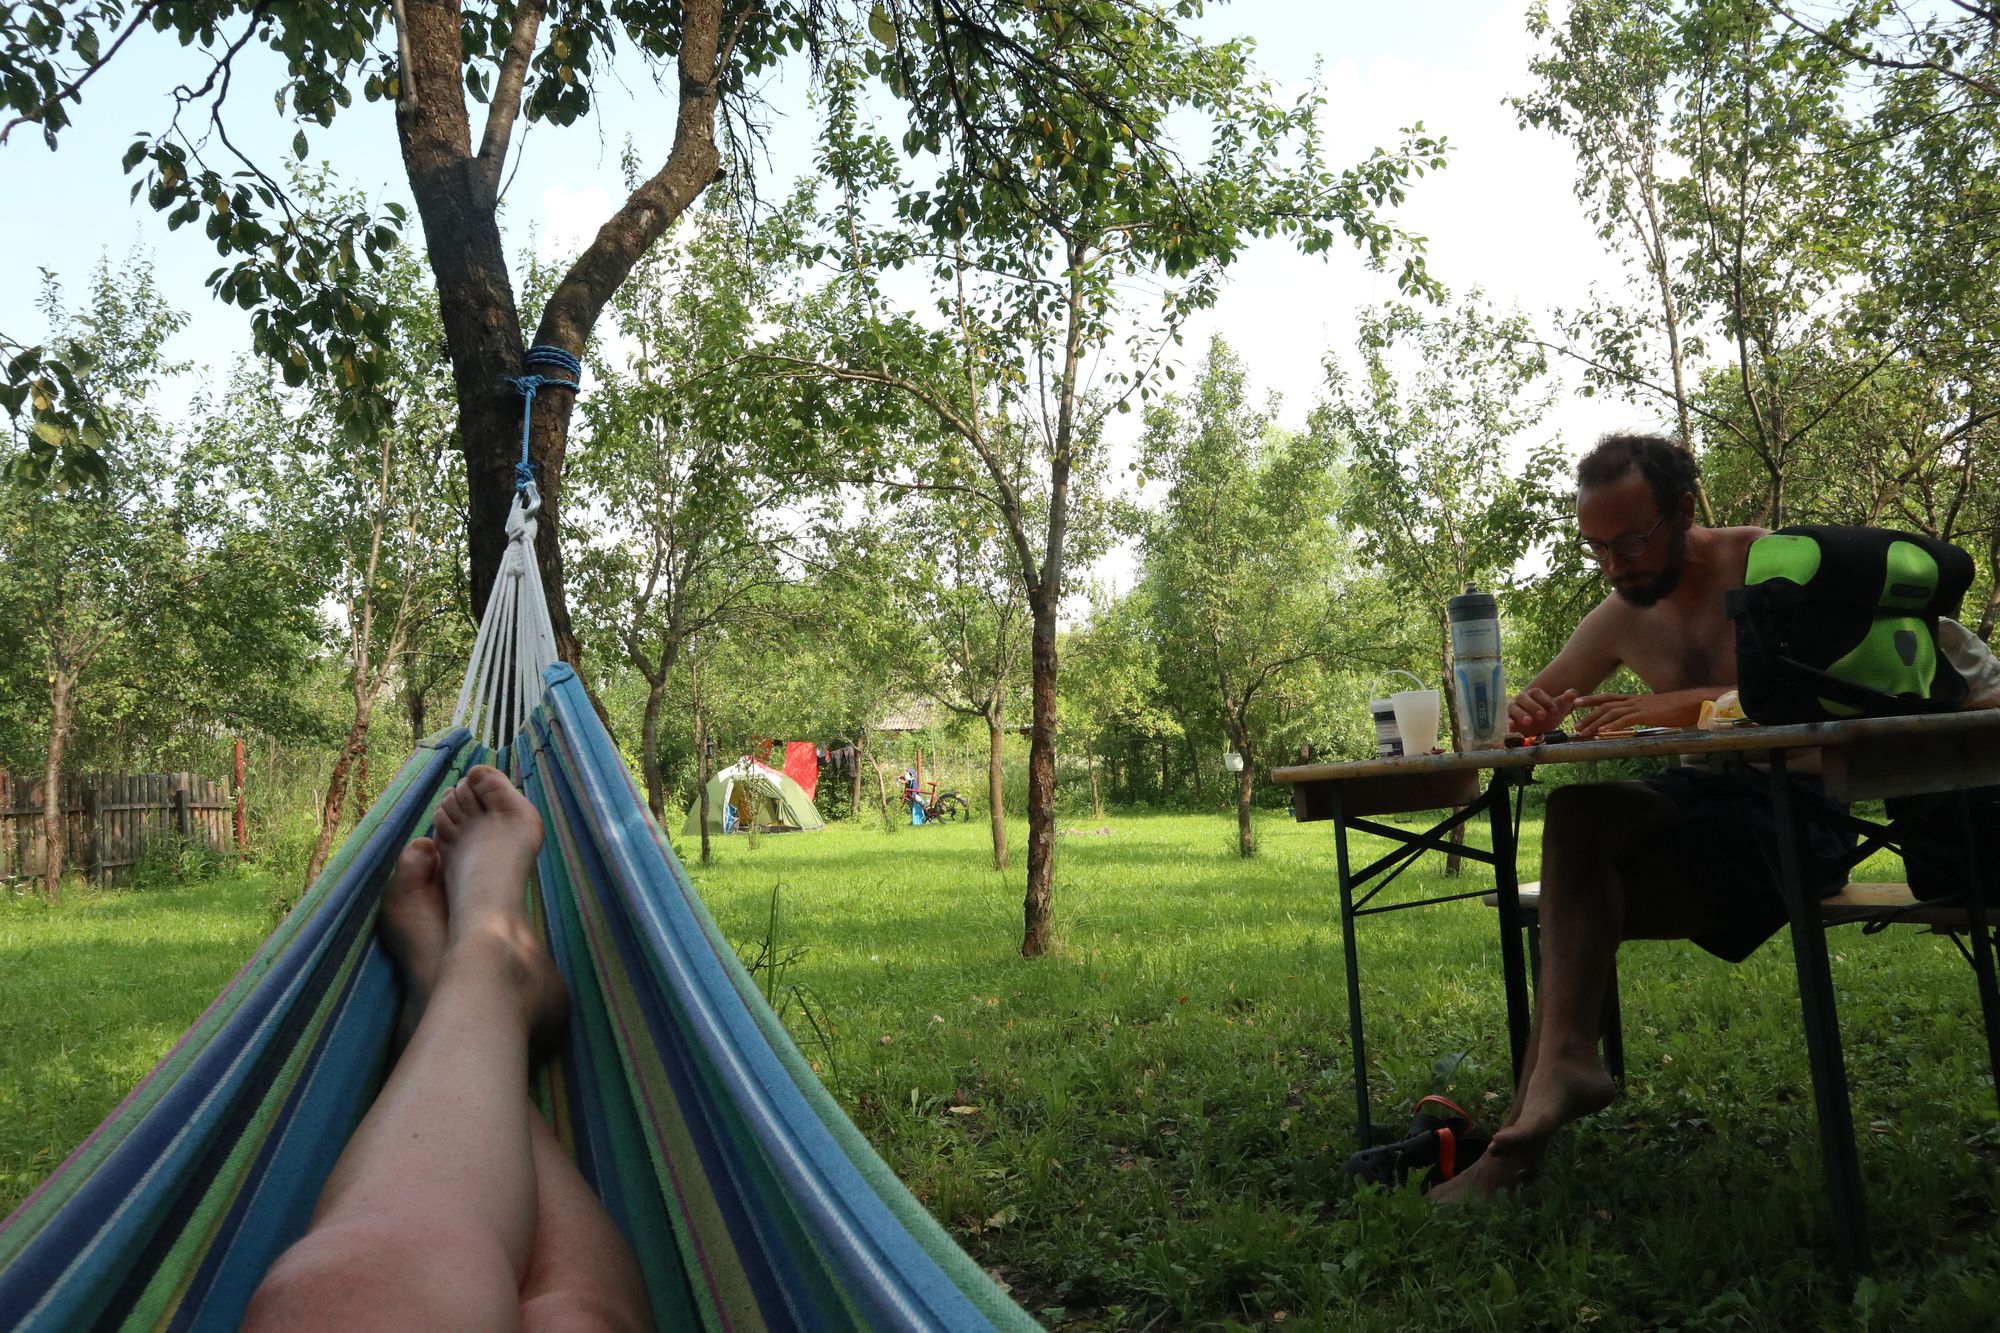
(747, 792)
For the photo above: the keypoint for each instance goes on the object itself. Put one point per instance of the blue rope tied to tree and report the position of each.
(528, 385)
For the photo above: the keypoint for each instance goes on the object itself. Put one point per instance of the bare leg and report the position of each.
(1603, 882)
(582, 1274)
(428, 1219)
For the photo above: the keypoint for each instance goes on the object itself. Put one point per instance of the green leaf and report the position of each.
(881, 27)
(299, 145)
(50, 433)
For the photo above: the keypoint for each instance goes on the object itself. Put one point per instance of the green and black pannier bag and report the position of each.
(1839, 622)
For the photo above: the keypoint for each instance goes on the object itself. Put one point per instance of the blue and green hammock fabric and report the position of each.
(750, 1199)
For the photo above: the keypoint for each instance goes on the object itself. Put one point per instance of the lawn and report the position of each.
(93, 993)
(1148, 1129)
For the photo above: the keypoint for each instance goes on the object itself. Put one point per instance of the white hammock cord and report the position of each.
(516, 641)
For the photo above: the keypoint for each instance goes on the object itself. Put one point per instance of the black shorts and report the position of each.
(1728, 844)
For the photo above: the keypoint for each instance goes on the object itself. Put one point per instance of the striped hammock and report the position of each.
(749, 1198)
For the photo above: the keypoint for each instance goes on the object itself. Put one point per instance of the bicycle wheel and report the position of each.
(952, 809)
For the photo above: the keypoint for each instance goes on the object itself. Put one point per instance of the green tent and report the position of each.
(748, 792)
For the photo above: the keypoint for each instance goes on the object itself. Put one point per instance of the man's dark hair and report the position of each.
(1667, 465)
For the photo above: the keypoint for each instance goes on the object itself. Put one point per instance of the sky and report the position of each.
(1501, 216)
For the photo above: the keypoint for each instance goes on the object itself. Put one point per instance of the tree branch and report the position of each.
(506, 105)
(73, 90)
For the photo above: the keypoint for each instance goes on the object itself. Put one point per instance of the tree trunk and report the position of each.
(60, 690)
(1194, 766)
(1244, 845)
(1988, 616)
(1038, 933)
(361, 780)
(701, 774)
(482, 323)
(456, 190)
(649, 752)
(336, 792)
(1239, 741)
(854, 796)
(1096, 800)
(881, 792)
(995, 796)
(1164, 773)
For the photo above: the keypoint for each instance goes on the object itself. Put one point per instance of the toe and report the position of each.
(490, 787)
(477, 785)
(418, 862)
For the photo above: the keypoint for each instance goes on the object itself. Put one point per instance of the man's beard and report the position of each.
(1652, 592)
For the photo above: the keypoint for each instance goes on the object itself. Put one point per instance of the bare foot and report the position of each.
(1559, 1091)
(412, 923)
(1562, 1089)
(487, 836)
(1491, 1174)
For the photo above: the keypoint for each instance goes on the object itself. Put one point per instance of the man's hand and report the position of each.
(1534, 711)
(1616, 712)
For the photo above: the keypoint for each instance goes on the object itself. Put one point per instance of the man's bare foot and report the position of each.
(1489, 1175)
(413, 925)
(1561, 1090)
(487, 836)
(1558, 1092)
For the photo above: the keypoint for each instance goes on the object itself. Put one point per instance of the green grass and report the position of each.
(1163, 1110)
(93, 992)
(1148, 1129)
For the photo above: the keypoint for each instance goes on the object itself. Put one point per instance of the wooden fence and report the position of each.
(110, 820)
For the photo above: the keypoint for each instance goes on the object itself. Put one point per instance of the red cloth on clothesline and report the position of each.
(802, 766)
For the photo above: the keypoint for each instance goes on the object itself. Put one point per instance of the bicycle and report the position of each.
(940, 807)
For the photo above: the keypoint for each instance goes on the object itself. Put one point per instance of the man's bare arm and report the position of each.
(1675, 708)
(1584, 663)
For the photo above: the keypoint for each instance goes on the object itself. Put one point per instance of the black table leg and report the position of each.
(1500, 811)
(1356, 1045)
(1982, 943)
(1841, 1165)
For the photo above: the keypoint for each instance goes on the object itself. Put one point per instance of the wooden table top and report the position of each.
(1862, 758)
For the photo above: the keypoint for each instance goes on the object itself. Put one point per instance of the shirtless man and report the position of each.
(1684, 854)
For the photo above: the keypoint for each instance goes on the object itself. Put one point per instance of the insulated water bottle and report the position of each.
(1477, 678)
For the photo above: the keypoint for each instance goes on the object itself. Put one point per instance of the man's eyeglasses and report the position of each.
(1628, 547)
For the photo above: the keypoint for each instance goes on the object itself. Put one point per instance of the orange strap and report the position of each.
(1447, 1153)
(1456, 1109)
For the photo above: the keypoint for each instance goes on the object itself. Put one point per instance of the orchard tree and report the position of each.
(462, 79)
(143, 585)
(1431, 413)
(957, 590)
(1800, 237)
(1113, 680)
(1246, 564)
(1046, 208)
(368, 512)
(1606, 82)
(703, 519)
(81, 561)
